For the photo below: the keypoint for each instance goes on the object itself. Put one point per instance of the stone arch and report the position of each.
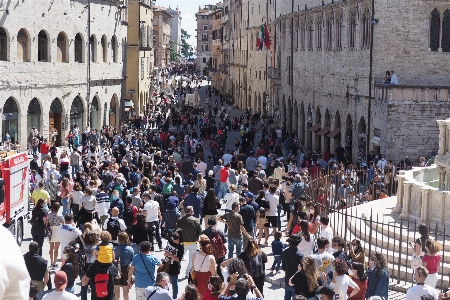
(62, 48)
(435, 26)
(23, 45)
(362, 134)
(327, 123)
(114, 110)
(309, 120)
(318, 138)
(295, 111)
(10, 119)
(55, 121)
(337, 124)
(445, 43)
(34, 114)
(259, 104)
(105, 113)
(290, 115)
(94, 111)
(301, 124)
(348, 135)
(114, 49)
(4, 44)
(44, 46)
(104, 46)
(77, 112)
(93, 48)
(79, 48)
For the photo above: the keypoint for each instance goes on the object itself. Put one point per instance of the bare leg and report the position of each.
(55, 252)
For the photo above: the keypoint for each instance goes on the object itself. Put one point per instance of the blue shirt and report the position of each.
(126, 254)
(248, 216)
(172, 203)
(195, 201)
(143, 279)
(277, 247)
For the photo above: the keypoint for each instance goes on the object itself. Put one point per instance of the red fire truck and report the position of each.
(14, 193)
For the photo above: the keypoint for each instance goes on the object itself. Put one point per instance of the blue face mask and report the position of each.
(115, 197)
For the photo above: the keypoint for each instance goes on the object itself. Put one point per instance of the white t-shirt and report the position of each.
(14, 278)
(151, 207)
(341, 285)
(417, 291)
(263, 161)
(76, 196)
(66, 236)
(202, 166)
(279, 133)
(273, 201)
(227, 158)
(305, 247)
(230, 198)
(328, 234)
(63, 295)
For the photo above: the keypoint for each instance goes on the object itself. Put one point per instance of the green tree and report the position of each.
(186, 49)
(174, 56)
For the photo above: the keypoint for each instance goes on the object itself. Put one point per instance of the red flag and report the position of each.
(266, 36)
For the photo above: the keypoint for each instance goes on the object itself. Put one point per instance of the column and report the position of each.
(400, 194)
(442, 137)
(447, 179)
(424, 208)
(406, 200)
(441, 171)
(446, 137)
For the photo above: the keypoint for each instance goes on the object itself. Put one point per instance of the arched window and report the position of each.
(23, 46)
(62, 48)
(93, 48)
(310, 35)
(43, 47)
(3, 44)
(204, 60)
(114, 49)
(434, 30)
(338, 29)
(329, 33)
(352, 31)
(79, 58)
(319, 27)
(366, 26)
(104, 49)
(446, 32)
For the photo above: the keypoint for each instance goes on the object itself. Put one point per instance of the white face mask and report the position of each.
(333, 250)
(350, 272)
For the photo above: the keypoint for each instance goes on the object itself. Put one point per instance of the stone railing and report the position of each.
(419, 197)
(407, 93)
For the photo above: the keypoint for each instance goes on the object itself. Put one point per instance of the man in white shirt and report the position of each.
(279, 136)
(326, 232)
(227, 157)
(394, 79)
(421, 289)
(67, 233)
(114, 225)
(152, 215)
(271, 213)
(262, 160)
(381, 164)
(59, 293)
(202, 166)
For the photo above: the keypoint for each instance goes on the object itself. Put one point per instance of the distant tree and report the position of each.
(174, 56)
(186, 49)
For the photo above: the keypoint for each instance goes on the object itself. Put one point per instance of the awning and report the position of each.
(315, 127)
(324, 130)
(376, 140)
(334, 132)
(128, 103)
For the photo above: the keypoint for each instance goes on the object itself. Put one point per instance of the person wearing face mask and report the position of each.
(327, 259)
(356, 252)
(174, 251)
(327, 231)
(337, 245)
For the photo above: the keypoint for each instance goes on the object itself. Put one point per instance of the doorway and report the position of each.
(55, 122)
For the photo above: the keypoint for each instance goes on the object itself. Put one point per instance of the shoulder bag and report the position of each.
(193, 281)
(148, 271)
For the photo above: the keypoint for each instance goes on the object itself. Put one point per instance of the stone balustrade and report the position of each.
(406, 93)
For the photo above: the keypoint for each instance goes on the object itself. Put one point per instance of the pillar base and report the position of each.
(397, 209)
(405, 215)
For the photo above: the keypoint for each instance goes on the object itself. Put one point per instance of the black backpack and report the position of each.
(113, 227)
(128, 216)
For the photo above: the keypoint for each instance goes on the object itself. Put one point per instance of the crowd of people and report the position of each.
(158, 183)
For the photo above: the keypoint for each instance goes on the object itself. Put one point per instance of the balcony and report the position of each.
(273, 73)
(408, 93)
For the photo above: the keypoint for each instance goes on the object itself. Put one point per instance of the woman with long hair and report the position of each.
(214, 288)
(360, 278)
(139, 232)
(203, 264)
(313, 216)
(297, 208)
(307, 279)
(255, 260)
(201, 184)
(341, 281)
(190, 293)
(232, 266)
(77, 193)
(70, 267)
(54, 221)
(123, 256)
(306, 246)
(38, 223)
(65, 187)
(174, 251)
(210, 205)
(356, 252)
(378, 275)
(431, 261)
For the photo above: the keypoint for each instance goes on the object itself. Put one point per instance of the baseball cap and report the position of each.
(60, 280)
(249, 194)
(326, 290)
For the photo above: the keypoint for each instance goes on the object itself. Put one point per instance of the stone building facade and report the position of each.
(216, 51)
(62, 64)
(140, 58)
(318, 71)
(162, 36)
(175, 28)
(204, 38)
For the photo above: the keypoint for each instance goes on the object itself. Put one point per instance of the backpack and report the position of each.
(128, 216)
(113, 227)
(218, 245)
(262, 212)
(282, 198)
(101, 282)
(167, 189)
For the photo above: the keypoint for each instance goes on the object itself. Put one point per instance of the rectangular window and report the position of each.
(205, 27)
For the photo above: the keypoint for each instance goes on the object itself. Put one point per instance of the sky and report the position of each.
(188, 10)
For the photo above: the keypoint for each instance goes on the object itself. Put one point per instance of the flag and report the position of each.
(262, 34)
(259, 41)
(266, 36)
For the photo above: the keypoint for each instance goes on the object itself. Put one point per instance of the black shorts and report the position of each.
(124, 278)
(271, 220)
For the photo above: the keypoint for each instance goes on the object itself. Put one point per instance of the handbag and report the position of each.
(193, 281)
(165, 266)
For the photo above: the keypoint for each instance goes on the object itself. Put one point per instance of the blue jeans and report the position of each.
(75, 169)
(63, 173)
(223, 187)
(289, 292)
(276, 263)
(70, 290)
(174, 283)
(231, 243)
(65, 204)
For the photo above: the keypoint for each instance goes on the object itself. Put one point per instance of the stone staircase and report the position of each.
(380, 230)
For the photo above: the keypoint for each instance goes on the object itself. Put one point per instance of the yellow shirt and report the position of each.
(40, 194)
(105, 253)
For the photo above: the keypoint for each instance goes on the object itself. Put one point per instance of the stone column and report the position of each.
(442, 137)
(446, 137)
(447, 179)
(406, 200)
(441, 171)
(424, 208)
(400, 194)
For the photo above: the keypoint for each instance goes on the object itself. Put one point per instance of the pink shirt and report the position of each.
(432, 262)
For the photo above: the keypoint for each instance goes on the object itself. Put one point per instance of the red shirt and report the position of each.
(162, 136)
(207, 296)
(44, 148)
(224, 174)
(432, 262)
(260, 151)
(135, 212)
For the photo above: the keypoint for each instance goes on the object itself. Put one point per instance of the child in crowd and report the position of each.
(277, 249)
(105, 249)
